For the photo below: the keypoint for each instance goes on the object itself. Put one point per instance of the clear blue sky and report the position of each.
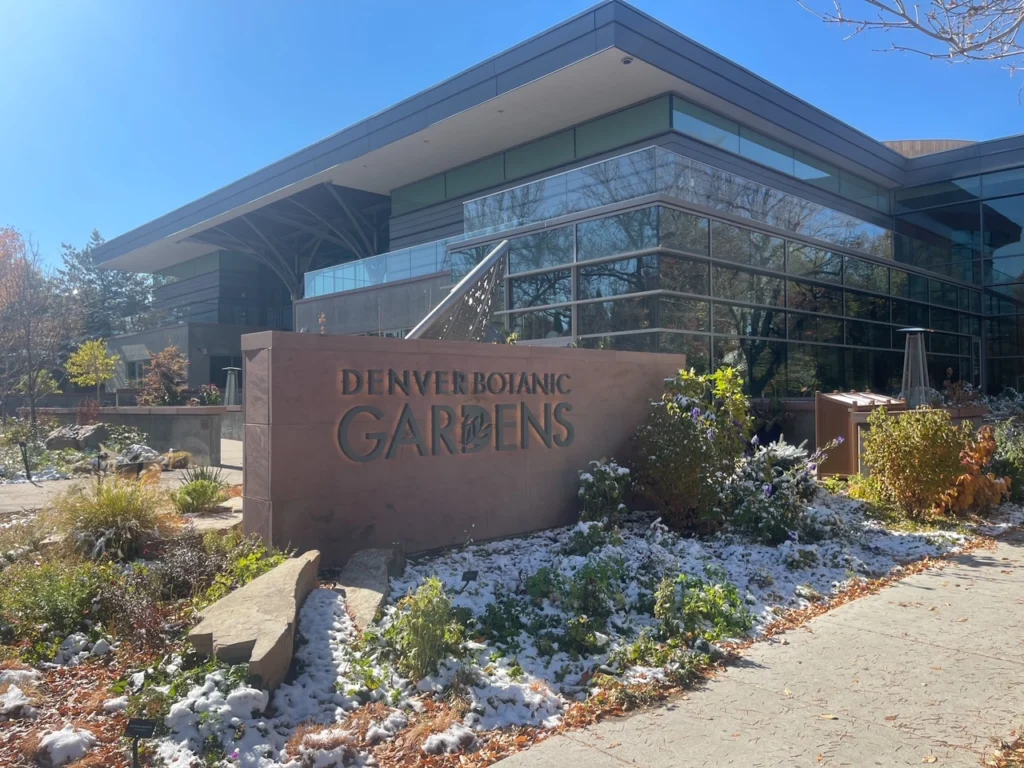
(117, 111)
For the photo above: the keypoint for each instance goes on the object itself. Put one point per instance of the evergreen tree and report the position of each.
(110, 301)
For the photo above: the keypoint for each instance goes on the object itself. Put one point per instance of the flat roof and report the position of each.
(563, 76)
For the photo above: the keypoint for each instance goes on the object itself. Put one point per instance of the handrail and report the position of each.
(459, 290)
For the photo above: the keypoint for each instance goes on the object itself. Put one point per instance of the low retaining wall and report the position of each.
(196, 430)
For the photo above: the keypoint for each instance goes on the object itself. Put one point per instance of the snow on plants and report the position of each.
(546, 619)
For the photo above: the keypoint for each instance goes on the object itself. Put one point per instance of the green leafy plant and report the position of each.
(425, 630)
(595, 589)
(914, 457)
(692, 608)
(545, 584)
(210, 394)
(115, 518)
(178, 459)
(43, 602)
(586, 537)
(198, 472)
(689, 446)
(245, 558)
(198, 497)
(1009, 458)
(602, 489)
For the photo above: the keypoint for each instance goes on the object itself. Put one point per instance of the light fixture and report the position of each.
(627, 59)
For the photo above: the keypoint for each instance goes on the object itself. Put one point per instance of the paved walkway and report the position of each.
(928, 671)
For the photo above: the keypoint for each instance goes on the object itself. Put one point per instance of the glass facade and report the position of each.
(794, 317)
(971, 229)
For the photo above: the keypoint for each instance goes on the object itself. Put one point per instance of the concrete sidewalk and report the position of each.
(928, 671)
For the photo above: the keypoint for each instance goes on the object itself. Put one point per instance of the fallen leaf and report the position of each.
(615, 744)
(788, 692)
(962, 620)
(930, 759)
(828, 717)
(890, 718)
(933, 607)
(937, 669)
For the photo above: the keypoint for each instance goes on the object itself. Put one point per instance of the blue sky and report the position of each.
(117, 111)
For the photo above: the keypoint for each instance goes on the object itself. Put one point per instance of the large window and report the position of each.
(614, 278)
(542, 289)
(624, 233)
(815, 263)
(549, 248)
(748, 287)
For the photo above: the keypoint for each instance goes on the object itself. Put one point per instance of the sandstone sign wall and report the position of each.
(356, 442)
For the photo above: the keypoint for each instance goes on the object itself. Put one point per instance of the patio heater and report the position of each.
(231, 389)
(915, 391)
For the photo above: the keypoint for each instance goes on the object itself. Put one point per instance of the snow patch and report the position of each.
(67, 745)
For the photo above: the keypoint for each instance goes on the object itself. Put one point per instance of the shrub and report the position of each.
(594, 590)
(178, 459)
(116, 518)
(544, 584)
(244, 557)
(586, 537)
(690, 445)
(1009, 458)
(690, 607)
(87, 412)
(601, 492)
(767, 495)
(198, 497)
(198, 472)
(46, 601)
(914, 457)
(210, 394)
(128, 605)
(166, 378)
(425, 630)
(121, 437)
(977, 489)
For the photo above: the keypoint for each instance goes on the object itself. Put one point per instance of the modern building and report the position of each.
(655, 196)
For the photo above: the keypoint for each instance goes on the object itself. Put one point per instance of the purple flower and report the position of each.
(234, 755)
(755, 440)
(812, 467)
(839, 440)
(711, 434)
(695, 414)
(767, 490)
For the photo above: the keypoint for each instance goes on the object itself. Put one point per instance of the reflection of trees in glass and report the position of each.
(612, 181)
(623, 233)
(762, 363)
(684, 314)
(748, 287)
(811, 297)
(684, 275)
(547, 248)
(543, 324)
(813, 369)
(684, 231)
(867, 307)
(538, 290)
(867, 275)
(815, 263)
(697, 349)
(613, 278)
(620, 315)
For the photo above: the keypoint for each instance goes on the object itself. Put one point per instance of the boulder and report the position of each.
(256, 623)
(365, 583)
(86, 437)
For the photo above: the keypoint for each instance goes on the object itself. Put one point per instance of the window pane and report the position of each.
(747, 287)
(918, 288)
(866, 275)
(683, 314)
(729, 243)
(861, 334)
(540, 155)
(761, 363)
(538, 290)
(941, 193)
(614, 278)
(543, 324)
(749, 321)
(627, 342)
(1004, 230)
(766, 151)
(815, 263)
(867, 307)
(543, 249)
(862, 191)
(826, 330)
(816, 172)
(706, 126)
(684, 275)
(907, 314)
(936, 239)
(684, 231)
(814, 298)
(1009, 182)
(814, 369)
(627, 232)
(767, 252)
(874, 371)
(696, 347)
(944, 320)
(900, 283)
(620, 315)
(943, 293)
(943, 343)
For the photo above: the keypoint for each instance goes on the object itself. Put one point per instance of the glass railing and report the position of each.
(658, 171)
(415, 261)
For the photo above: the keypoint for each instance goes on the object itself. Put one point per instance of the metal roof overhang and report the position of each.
(564, 76)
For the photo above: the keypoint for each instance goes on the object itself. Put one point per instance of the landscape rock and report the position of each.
(85, 437)
(364, 581)
(256, 623)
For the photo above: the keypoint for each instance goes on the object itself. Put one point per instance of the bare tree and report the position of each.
(37, 322)
(953, 30)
